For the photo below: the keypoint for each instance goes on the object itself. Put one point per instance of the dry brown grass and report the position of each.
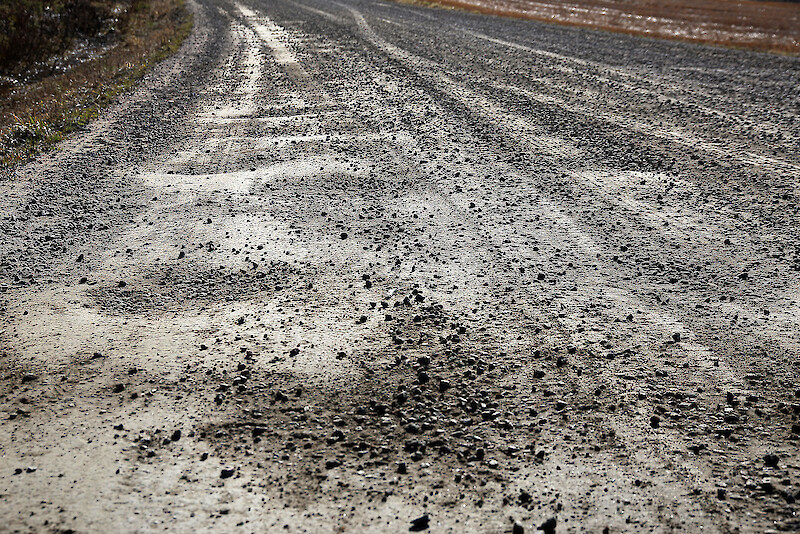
(767, 26)
(36, 115)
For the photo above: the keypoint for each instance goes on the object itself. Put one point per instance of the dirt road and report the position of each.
(338, 266)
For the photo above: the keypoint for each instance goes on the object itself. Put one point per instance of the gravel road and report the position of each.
(352, 266)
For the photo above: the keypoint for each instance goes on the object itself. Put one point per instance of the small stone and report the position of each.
(655, 421)
(119, 388)
(549, 526)
(722, 494)
(343, 235)
(676, 337)
(420, 523)
(175, 435)
(402, 468)
(517, 529)
(771, 460)
(122, 283)
(227, 473)
(332, 464)
(28, 378)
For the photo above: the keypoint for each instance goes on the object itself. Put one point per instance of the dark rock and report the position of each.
(227, 472)
(771, 460)
(402, 468)
(420, 523)
(28, 378)
(332, 464)
(549, 526)
(175, 435)
(517, 529)
(655, 421)
(118, 388)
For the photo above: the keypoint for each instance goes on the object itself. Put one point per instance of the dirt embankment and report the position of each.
(770, 26)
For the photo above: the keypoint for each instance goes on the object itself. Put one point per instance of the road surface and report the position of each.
(341, 265)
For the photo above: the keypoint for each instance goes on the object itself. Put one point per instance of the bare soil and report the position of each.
(770, 26)
(369, 267)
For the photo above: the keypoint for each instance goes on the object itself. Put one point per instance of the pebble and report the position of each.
(549, 526)
(420, 523)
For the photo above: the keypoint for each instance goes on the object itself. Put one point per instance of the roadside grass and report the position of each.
(38, 112)
(747, 24)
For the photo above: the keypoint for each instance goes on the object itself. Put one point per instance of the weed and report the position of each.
(57, 105)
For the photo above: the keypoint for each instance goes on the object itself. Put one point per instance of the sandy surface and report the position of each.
(341, 266)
